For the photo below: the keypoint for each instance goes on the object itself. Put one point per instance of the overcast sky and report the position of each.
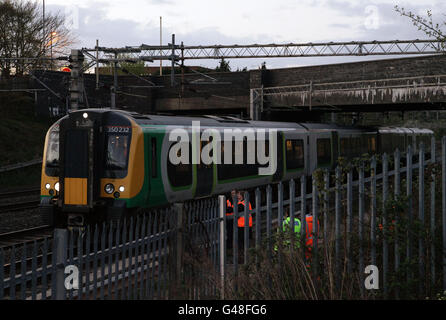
(119, 23)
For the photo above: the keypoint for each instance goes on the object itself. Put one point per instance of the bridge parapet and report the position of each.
(336, 95)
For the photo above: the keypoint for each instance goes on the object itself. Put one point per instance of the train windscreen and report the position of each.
(117, 154)
(52, 154)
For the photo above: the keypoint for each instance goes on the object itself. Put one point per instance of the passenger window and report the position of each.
(233, 171)
(294, 154)
(323, 152)
(372, 144)
(180, 175)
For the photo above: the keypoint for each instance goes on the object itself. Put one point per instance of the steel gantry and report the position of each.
(286, 50)
(178, 54)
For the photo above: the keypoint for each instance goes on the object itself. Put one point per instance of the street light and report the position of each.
(52, 34)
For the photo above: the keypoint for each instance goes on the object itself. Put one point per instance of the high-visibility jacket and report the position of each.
(309, 231)
(241, 220)
(390, 228)
(287, 225)
(229, 205)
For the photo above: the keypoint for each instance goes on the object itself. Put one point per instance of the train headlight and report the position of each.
(57, 186)
(109, 188)
(85, 115)
(121, 189)
(47, 186)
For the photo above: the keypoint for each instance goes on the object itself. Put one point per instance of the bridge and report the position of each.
(400, 84)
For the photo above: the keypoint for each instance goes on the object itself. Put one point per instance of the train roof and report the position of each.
(228, 121)
(405, 130)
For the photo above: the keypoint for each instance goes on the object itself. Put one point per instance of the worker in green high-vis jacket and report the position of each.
(286, 227)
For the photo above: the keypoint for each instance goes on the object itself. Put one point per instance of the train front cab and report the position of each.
(94, 180)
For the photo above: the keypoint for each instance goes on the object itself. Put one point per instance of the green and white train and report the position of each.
(102, 164)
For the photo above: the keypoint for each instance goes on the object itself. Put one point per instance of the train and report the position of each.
(103, 164)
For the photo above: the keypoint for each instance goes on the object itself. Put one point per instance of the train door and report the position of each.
(79, 185)
(205, 176)
(321, 150)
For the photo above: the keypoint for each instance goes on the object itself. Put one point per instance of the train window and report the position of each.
(323, 152)
(294, 154)
(154, 162)
(233, 170)
(52, 155)
(116, 155)
(180, 175)
(371, 144)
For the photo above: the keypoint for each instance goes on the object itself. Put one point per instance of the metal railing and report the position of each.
(180, 251)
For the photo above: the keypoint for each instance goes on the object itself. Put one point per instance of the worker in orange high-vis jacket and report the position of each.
(241, 221)
(229, 224)
(309, 235)
(241, 210)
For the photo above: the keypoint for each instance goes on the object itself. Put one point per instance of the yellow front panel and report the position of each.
(75, 191)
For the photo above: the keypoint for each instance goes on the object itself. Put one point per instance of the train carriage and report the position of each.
(102, 164)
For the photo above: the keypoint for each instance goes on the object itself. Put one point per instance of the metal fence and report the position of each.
(140, 258)
(389, 212)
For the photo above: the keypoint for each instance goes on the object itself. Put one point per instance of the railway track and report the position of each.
(14, 200)
(19, 193)
(10, 207)
(9, 239)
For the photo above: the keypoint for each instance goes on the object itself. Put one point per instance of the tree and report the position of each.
(131, 67)
(25, 34)
(223, 66)
(425, 24)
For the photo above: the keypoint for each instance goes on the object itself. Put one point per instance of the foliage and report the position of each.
(24, 34)
(223, 66)
(425, 24)
(131, 67)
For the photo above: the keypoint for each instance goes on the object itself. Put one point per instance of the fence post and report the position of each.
(247, 228)
(410, 210)
(338, 227)
(443, 169)
(326, 202)
(269, 206)
(373, 217)
(349, 220)
(315, 231)
(177, 249)
(421, 218)
(303, 212)
(361, 228)
(222, 225)
(61, 236)
(257, 219)
(384, 223)
(397, 220)
(433, 224)
(292, 189)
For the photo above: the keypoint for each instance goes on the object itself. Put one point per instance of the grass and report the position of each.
(22, 136)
